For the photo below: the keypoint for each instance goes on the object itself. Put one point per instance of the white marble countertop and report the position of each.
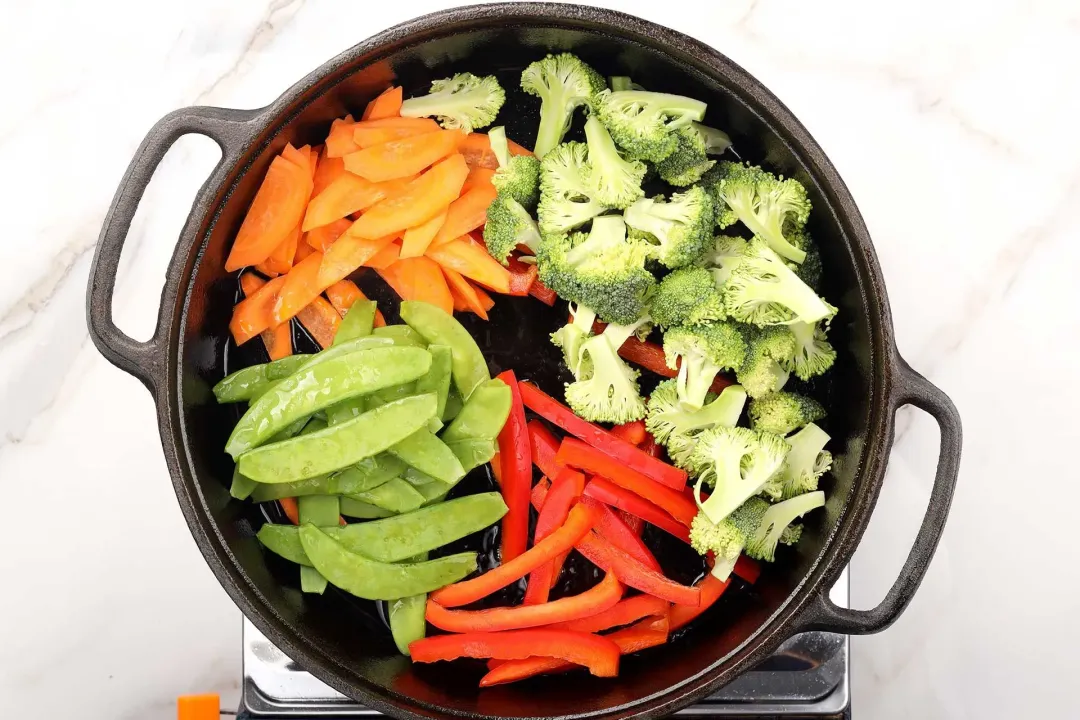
(952, 122)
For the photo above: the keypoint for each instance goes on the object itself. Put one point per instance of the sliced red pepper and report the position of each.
(636, 524)
(575, 453)
(653, 448)
(543, 293)
(597, 653)
(556, 569)
(626, 454)
(544, 448)
(614, 530)
(646, 634)
(522, 276)
(579, 523)
(711, 590)
(630, 572)
(611, 494)
(292, 510)
(565, 491)
(622, 613)
(515, 463)
(749, 570)
(632, 432)
(595, 600)
(539, 493)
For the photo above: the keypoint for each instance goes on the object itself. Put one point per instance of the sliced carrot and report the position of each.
(470, 259)
(346, 195)
(485, 300)
(376, 132)
(322, 237)
(344, 293)
(403, 157)
(478, 153)
(321, 320)
(477, 176)
(298, 157)
(302, 251)
(313, 161)
(292, 510)
(417, 239)
(459, 302)
(327, 171)
(300, 288)
(516, 149)
(388, 104)
(278, 341)
(277, 208)
(255, 313)
(466, 213)
(419, 201)
(281, 260)
(340, 140)
(385, 257)
(419, 279)
(460, 287)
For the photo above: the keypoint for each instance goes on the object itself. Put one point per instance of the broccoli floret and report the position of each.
(681, 228)
(669, 421)
(644, 123)
(700, 352)
(737, 463)
(509, 225)
(806, 462)
(762, 372)
(610, 392)
(726, 252)
(562, 82)
(762, 290)
(614, 181)
(809, 271)
(572, 336)
(464, 101)
(813, 354)
(687, 296)
(727, 538)
(566, 200)
(603, 270)
(690, 161)
(518, 176)
(766, 204)
(783, 412)
(762, 544)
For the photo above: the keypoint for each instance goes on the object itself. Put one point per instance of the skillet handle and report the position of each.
(231, 130)
(910, 388)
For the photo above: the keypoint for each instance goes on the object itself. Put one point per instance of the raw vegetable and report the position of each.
(416, 203)
(711, 589)
(468, 367)
(484, 414)
(565, 491)
(766, 205)
(598, 654)
(403, 157)
(644, 123)
(358, 322)
(368, 133)
(737, 463)
(544, 448)
(347, 194)
(365, 475)
(562, 82)
(611, 526)
(419, 278)
(274, 213)
(783, 412)
(515, 459)
(806, 462)
(611, 494)
(613, 180)
(407, 624)
(465, 214)
(463, 101)
(679, 231)
(630, 572)
(624, 612)
(416, 239)
(428, 454)
(701, 352)
(386, 105)
(566, 200)
(248, 382)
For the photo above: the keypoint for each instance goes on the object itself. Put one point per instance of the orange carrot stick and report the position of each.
(300, 288)
(280, 261)
(254, 313)
(322, 237)
(477, 176)
(340, 140)
(466, 213)
(417, 239)
(385, 257)
(478, 153)
(388, 104)
(419, 201)
(321, 320)
(419, 279)
(302, 251)
(460, 288)
(344, 293)
(346, 195)
(327, 171)
(347, 254)
(277, 208)
(470, 259)
(376, 132)
(292, 510)
(278, 341)
(298, 157)
(403, 157)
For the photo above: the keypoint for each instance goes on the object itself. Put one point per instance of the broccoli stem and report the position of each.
(774, 237)
(728, 473)
(763, 545)
(621, 82)
(722, 567)
(606, 231)
(499, 146)
(554, 118)
(716, 141)
(723, 411)
(685, 109)
(696, 374)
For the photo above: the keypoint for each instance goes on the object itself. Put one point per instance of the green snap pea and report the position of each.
(328, 354)
(437, 379)
(248, 382)
(317, 510)
(346, 410)
(311, 580)
(472, 452)
(396, 495)
(339, 446)
(353, 508)
(429, 455)
(320, 386)
(433, 490)
(468, 367)
(390, 394)
(242, 487)
(454, 403)
(407, 621)
(357, 323)
(434, 425)
(483, 415)
(374, 580)
(400, 334)
(397, 538)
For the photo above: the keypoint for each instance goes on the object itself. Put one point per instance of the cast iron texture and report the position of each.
(334, 639)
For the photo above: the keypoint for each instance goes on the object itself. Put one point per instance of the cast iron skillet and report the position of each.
(341, 642)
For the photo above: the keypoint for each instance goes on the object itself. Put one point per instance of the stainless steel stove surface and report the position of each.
(808, 676)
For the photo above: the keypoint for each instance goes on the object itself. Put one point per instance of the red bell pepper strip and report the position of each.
(749, 570)
(515, 464)
(646, 634)
(564, 492)
(574, 453)
(543, 293)
(652, 447)
(544, 448)
(597, 653)
(522, 276)
(594, 600)
(632, 432)
(630, 572)
(611, 494)
(711, 590)
(626, 454)
(636, 524)
(579, 523)
(622, 613)
(615, 531)
(539, 493)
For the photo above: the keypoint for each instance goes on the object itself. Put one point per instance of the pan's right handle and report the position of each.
(911, 388)
(231, 130)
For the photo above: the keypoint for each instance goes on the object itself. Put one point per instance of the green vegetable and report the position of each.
(468, 366)
(362, 510)
(727, 539)
(317, 510)
(373, 580)
(762, 372)
(248, 382)
(783, 412)
(603, 270)
(464, 101)
(357, 323)
(572, 336)
(326, 355)
(687, 296)
(400, 335)
(395, 495)
(562, 82)
(454, 403)
(390, 394)
(241, 487)
(346, 410)
(322, 385)
(704, 350)
(606, 389)
(762, 290)
(518, 176)
(680, 230)
(311, 580)
(813, 354)
(614, 181)
(473, 452)
(508, 225)
(769, 206)
(341, 445)
(483, 414)
(567, 201)
(429, 455)
(726, 253)
(690, 160)
(407, 622)
(737, 463)
(644, 123)
(677, 428)
(437, 379)
(806, 462)
(770, 532)
(367, 474)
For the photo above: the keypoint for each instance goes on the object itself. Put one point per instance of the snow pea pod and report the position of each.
(250, 381)
(311, 580)
(339, 446)
(438, 377)
(429, 455)
(374, 580)
(468, 367)
(395, 495)
(322, 385)
(454, 403)
(362, 510)
(365, 475)
(472, 452)
(407, 616)
(328, 354)
(357, 323)
(317, 510)
(400, 334)
(242, 487)
(483, 415)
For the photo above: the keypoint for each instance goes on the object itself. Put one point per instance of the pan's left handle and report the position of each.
(232, 130)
